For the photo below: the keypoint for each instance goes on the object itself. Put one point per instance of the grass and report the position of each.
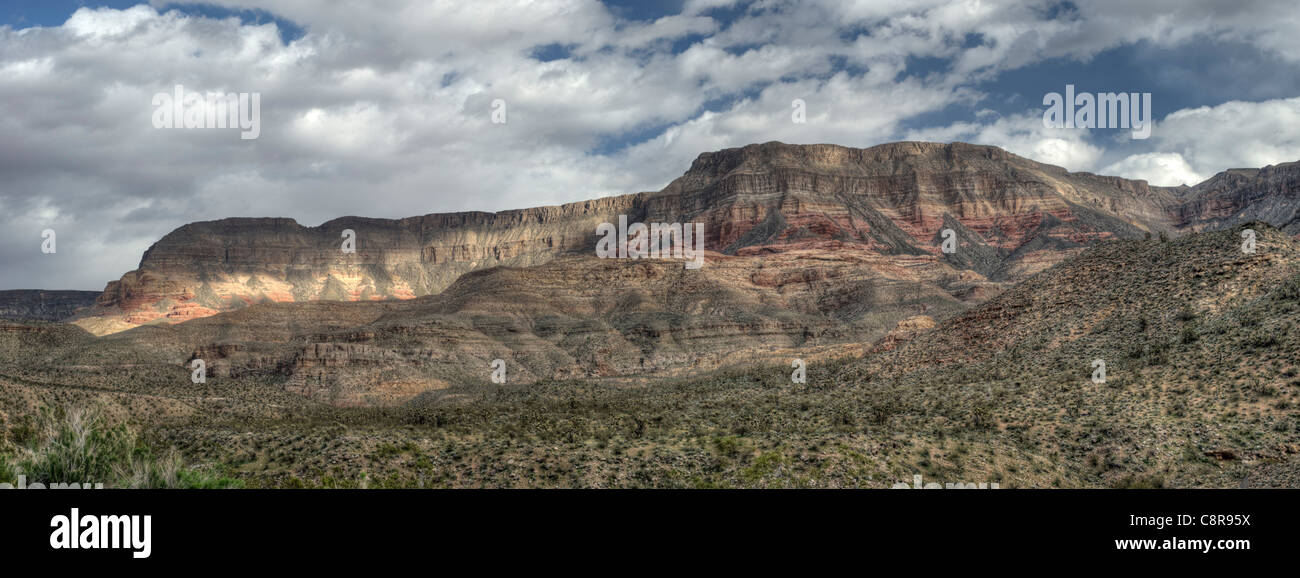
(76, 445)
(1202, 389)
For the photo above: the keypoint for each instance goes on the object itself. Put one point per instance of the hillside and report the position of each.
(1199, 342)
(1201, 390)
(41, 305)
(974, 366)
(1014, 215)
(573, 317)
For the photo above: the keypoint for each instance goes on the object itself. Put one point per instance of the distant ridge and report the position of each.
(1013, 216)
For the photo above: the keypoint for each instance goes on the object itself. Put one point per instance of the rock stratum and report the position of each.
(42, 305)
(1013, 217)
(810, 250)
(332, 370)
(1198, 338)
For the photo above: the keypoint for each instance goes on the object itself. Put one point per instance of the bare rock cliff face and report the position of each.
(572, 317)
(205, 268)
(40, 305)
(897, 199)
(1270, 194)
(1012, 217)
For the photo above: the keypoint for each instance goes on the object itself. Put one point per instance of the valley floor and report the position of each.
(1201, 391)
(735, 429)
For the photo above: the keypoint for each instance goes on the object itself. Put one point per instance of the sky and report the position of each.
(384, 108)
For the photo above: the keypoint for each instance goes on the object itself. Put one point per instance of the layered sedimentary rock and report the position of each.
(810, 250)
(1012, 216)
(573, 317)
(1270, 194)
(41, 305)
(204, 268)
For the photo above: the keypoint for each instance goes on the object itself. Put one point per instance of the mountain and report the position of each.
(1122, 301)
(1012, 217)
(1198, 341)
(572, 317)
(974, 366)
(41, 305)
(1235, 196)
(204, 268)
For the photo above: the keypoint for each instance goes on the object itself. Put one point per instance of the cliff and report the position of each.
(1013, 217)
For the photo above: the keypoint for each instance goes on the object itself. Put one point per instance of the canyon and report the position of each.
(324, 367)
(811, 250)
(1013, 217)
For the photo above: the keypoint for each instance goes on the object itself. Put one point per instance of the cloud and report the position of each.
(382, 108)
(1233, 134)
(1025, 135)
(1164, 169)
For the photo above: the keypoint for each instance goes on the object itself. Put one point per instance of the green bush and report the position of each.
(1139, 482)
(75, 445)
(1289, 290)
(8, 473)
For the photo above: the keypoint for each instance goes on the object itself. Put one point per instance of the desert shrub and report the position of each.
(1289, 290)
(8, 473)
(167, 470)
(728, 445)
(1134, 482)
(76, 445)
(1261, 339)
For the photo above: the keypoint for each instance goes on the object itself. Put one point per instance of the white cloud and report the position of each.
(1164, 169)
(1233, 134)
(1025, 135)
(382, 107)
(666, 28)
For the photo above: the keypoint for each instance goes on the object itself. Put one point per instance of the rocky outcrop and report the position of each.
(812, 250)
(1014, 217)
(1270, 195)
(573, 317)
(208, 267)
(39, 305)
(895, 197)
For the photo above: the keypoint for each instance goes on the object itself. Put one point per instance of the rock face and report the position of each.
(1012, 217)
(38, 305)
(1270, 194)
(895, 197)
(1123, 301)
(573, 317)
(204, 268)
(811, 251)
